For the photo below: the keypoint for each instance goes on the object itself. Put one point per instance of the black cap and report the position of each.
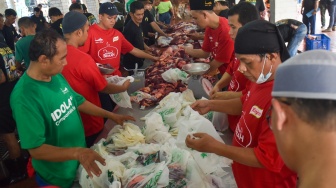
(109, 9)
(73, 21)
(201, 4)
(10, 12)
(259, 37)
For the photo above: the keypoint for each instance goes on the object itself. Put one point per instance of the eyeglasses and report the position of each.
(269, 112)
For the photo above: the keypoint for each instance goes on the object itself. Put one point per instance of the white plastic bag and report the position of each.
(121, 99)
(194, 123)
(112, 168)
(155, 131)
(173, 75)
(125, 136)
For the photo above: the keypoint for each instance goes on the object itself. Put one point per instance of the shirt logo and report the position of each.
(65, 90)
(63, 112)
(99, 41)
(115, 39)
(256, 111)
(109, 52)
(242, 134)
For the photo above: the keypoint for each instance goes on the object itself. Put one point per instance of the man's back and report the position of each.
(40, 21)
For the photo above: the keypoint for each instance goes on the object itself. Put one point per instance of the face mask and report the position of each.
(263, 78)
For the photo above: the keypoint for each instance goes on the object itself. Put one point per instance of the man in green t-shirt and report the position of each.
(27, 27)
(46, 110)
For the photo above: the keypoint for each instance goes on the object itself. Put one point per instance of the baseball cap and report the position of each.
(73, 21)
(109, 9)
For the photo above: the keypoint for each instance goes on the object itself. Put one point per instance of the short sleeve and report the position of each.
(126, 46)
(266, 151)
(230, 69)
(225, 49)
(93, 77)
(31, 132)
(150, 17)
(206, 43)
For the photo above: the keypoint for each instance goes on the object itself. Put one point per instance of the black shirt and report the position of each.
(7, 65)
(145, 24)
(9, 33)
(57, 26)
(259, 4)
(308, 5)
(134, 35)
(40, 21)
(224, 13)
(2, 38)
(285, 28)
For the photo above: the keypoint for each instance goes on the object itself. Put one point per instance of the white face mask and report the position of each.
(263, 78)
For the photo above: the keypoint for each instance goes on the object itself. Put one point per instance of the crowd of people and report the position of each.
(53, 93)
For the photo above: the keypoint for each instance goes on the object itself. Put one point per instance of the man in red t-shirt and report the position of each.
(217, 42)
(83, 74)
(238, 16)
(257, 162)
(105, 44)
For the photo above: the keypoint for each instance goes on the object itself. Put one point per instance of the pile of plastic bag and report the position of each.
(154, 157)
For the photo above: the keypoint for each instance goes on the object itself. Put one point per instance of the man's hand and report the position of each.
(126, 84)
(219, 96)
(156, 58)
(196, 36)
(120, 119)
(88, 158)
(201, 142)
(187, 49)
(301, 10)
(201, 106)
(214, 90)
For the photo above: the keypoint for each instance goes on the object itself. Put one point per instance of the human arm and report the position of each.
(316, 5)
(225, 95)
(196, 36)
(302, 8)
(146, 47)
(85, 156)
(2, 77)
(223, 82)
(206, 143)
(232, 106)
(114, 88)
(91, 109)
(158, 29)
(214, 65)
(198, 53)
(171, 9)
(141, 54)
